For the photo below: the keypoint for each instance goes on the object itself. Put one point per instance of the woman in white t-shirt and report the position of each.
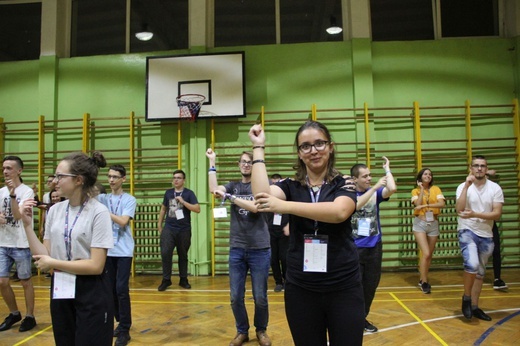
(77, 237)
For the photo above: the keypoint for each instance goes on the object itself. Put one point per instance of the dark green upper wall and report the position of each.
(284, 77)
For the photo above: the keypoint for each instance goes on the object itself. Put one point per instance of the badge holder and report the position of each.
(221, 211)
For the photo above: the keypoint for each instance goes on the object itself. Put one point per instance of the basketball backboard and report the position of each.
(218, 77)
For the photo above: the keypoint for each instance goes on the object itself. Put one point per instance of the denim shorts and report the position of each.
(430, 228)
(21, 256)
(475, 251)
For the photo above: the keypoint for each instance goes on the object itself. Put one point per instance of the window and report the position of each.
(21, 31)
(240, 22)
(98, 27)
(401, 20)
(466, 18)
(306, 20)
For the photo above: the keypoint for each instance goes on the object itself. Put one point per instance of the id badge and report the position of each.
(277, 219)
(429, 216)
(64, 285)
(364, 227)
(179, 214)
(219, 212)
(315, 253)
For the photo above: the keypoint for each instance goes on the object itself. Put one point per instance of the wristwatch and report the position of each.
(232, 198)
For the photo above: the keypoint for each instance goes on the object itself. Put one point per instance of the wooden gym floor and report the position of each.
(202, 315)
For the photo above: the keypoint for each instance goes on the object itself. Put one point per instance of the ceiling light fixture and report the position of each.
(145, 34)
(333, 29)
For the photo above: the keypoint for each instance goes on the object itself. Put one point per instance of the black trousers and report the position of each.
(89, 318)
(171, 239)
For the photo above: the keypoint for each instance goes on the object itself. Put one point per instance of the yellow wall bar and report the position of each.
(516, 124)
(131, 130)
(417, 135)
(313, 112)
(262, 117)
(179, 145)
(468, 130)
(41, 152)
(86, 133)
(367, 134)
(212, 137)
(2, 136)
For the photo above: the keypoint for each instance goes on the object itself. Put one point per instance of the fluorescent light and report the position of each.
(144, 35)
(333, 29)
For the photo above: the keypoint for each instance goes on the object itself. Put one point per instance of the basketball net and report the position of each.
(189, 106)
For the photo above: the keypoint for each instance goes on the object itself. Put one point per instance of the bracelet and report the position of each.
(388, 172)
(258, 147)
(12, 196)
(257, 161)
(212, 169)
(212, 172)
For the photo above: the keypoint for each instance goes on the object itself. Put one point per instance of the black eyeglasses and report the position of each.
(116, 177)
(318, 145)
(246, 163)
(60, 176)
(479, 166)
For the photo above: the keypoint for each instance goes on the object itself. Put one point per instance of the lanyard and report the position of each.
(114, 211)
(314, 198)
(67, 234)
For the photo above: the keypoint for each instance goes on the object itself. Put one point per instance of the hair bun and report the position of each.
(98, 159)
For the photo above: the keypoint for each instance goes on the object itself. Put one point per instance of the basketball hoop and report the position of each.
(189, 106)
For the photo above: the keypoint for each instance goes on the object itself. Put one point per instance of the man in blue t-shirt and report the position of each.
(177, 205)
(366, 228)
(121, 206)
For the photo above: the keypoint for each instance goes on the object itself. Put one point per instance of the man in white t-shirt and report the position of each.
(479, 204)
(14, 247)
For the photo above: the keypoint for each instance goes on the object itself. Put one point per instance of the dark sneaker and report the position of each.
(426, 288)
(478, 313)
(184, 284)
(369, 327)
(9, 321)
(466, 308)
(28, 323)
(164, 284)
(278, 288)
(499, 284)
(122, 339)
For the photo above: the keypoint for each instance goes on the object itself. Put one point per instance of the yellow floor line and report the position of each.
(33, 336)
(419, 320)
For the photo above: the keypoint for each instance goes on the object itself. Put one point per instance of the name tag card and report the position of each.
(219, 212)
(277, 219)
(64, 285)
(179, 214)
(364, 227)
(315, 253)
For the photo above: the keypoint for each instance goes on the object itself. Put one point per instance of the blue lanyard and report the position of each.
(114, 211)
(67, 234)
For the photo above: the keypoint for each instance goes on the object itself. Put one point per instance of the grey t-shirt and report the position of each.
(91, 229)
(248, 230)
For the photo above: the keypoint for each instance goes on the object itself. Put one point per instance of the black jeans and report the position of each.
(279, 246)
(119, 272)
(497, 258)
(170, 239)
(370, 259)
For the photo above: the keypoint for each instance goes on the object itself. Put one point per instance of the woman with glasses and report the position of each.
(78, 235)
(323, 294)
(428, 201)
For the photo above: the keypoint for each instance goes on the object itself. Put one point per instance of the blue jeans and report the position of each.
(475, 251)
(119, 272)
(240, 262)
(21, 256)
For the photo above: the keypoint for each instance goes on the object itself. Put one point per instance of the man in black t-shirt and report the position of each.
(178, 203)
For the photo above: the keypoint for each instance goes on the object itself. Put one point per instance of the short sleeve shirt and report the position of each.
(342, 256)
(172, 205)
(12, 234)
